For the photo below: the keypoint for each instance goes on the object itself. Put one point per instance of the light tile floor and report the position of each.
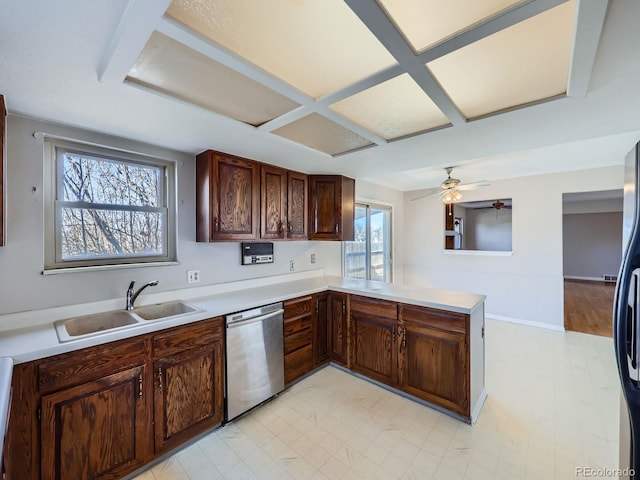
(553, 406)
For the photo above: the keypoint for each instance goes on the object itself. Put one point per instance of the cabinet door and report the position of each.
(374, 332)
(273, 192)
(189, 395)
(331, 207)
(320, 330)
(435, 365)
(96, 430)
(297, 205)
(338, 328)
(298, 338)
(227, 197)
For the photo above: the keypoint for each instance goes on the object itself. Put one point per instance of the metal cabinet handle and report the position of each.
(404, 338)
(216, 227)
(337, 228)
(140, 383)
(344, 307)
(393, 334)
(317, 306)
(160, 378)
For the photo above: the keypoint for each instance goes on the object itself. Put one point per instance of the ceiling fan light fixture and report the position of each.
(452, 196)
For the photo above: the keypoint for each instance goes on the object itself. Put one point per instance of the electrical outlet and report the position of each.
(193, 276)
(292, 265)
(313, 258)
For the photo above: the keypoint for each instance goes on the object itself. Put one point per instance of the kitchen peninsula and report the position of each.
(427, 344)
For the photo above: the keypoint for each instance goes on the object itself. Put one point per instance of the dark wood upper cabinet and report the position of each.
(331, 207)
(3, 115)
(227, 197)
(273, 205)
(297, 205)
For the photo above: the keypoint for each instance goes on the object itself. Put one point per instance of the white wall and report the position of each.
(370, 192)
(526, 287)
(592, 244)
(23, 287)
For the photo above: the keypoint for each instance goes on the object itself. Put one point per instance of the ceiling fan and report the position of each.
(450, 189)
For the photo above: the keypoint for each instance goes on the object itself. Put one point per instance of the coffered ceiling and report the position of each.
(381, 89)
(338, 76)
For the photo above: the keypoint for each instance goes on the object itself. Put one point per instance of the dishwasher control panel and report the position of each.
(256, 252)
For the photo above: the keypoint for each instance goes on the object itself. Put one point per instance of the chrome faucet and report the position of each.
(131, 296)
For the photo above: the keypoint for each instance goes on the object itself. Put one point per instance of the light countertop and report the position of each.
(38, 339)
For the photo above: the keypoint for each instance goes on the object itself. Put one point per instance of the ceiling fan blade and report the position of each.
(427, 193)
(473, 185)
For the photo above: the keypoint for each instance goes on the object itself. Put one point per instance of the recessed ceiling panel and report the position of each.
(318, 132)
(521, 64)
(316, 46)
(174, 69)
(427, 22)
(393, 109)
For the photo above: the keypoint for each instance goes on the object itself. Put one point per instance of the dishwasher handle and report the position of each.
(255, 319)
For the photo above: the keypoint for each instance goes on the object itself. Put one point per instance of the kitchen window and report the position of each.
(369, 256)
(107, 207)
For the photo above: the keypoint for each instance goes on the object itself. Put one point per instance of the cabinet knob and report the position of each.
(160, 378)
(215, 225)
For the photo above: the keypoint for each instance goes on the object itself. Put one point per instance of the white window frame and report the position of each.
(53, 168)
(369, 204)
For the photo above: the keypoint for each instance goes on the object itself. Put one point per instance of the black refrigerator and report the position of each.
(626, 321)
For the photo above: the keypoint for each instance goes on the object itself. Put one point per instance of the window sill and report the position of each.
(486, 253)
(56, 271)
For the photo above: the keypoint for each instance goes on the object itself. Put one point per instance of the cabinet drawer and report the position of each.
(298, 363)
(298, 307)
(297, 334)
(89, 363)
(374, 307)
(443, 320)
(187, 337)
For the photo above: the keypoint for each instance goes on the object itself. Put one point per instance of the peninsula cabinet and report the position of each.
(227, 197)
(338, 325)
(435, 354)
(331, 207)
(283, 206)
(374, 338)
(188, 382)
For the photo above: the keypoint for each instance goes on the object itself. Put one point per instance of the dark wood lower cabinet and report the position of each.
(320, 330)
(298, 337)
(338, 324)
(102, 412)
(95, 430)
(374, 335)
(189, 395)
(435, 357)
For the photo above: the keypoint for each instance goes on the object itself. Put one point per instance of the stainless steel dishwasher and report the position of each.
(255, 357)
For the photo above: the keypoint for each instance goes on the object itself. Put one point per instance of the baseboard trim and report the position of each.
(528, 323)
(588, 279)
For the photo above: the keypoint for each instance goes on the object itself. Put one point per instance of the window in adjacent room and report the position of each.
(107, 207)
(369, 256)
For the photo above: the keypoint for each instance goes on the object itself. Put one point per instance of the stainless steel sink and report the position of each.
(163, 310)
(93, 324)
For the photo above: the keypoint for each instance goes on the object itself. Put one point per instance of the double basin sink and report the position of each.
(97, 323)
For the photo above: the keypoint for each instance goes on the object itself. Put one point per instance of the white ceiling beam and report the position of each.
(138, 22)
(590, 17)
(503, 19)
(285, 119)
(377, 21)
(361, 85)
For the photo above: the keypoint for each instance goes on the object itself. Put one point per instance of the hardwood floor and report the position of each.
(588, 306)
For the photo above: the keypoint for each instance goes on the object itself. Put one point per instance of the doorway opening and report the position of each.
(592, 252)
